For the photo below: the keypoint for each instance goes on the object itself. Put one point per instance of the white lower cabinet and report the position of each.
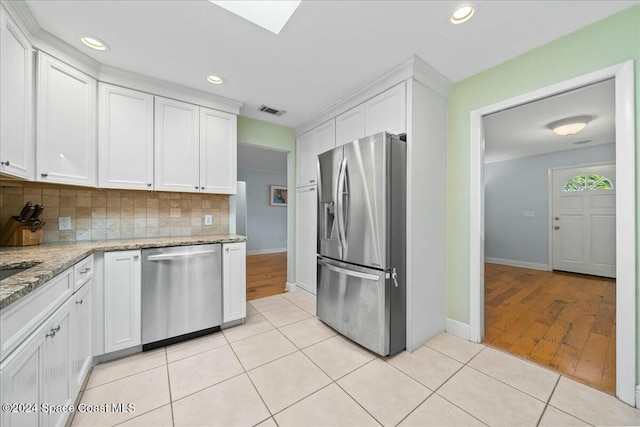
(37, 374)
(234, 282)
(122, 300)
(306, 233)
(81, 342)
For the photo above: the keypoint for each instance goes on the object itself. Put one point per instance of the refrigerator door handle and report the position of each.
(340, 207)
(353, 273)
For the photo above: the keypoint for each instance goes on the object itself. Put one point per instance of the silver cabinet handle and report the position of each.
(312, 181)
(79, 302)
(85, 270)
(56, 329)
(196, 187)
(312, 189)
(136, 256)
(5, 163)
(202, 188)
(50, 334)
(44, 174)
(226, 249)
(557, 218)
(166, 257)
(148, 184)
(350, 272)
(557, 227)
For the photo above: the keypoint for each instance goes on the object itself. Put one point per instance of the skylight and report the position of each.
(270, 15)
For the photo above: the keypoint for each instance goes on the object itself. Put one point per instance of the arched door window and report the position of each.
(590, 181)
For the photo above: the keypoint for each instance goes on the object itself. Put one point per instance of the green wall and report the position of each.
(270, 135)
(608, 42)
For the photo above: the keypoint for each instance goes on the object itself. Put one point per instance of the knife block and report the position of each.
(16, 233)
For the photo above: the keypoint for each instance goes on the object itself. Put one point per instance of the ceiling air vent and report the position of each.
(270, 110)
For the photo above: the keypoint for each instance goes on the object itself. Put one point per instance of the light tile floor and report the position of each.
(284, 367)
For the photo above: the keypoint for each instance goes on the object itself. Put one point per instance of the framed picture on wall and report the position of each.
(277, 195)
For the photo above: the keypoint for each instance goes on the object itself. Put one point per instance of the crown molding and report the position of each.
(129, 79)
(413, 68)
(21, 13)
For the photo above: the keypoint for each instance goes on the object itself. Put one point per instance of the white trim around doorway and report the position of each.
(625, 215)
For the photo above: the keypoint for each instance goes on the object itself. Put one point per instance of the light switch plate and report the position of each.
(208, 219)
(64, 223)
(529, 214)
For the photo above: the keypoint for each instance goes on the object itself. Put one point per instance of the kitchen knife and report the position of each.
(36, 213)
(41, 225)
(24, 212)
(35, 225)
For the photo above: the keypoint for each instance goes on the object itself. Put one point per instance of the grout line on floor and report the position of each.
(166, 356)
(126, 376)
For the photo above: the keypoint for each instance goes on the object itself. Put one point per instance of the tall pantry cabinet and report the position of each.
(308, 146)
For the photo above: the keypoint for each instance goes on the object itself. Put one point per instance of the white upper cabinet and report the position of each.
(306, 159)
(66, 124)
(325, 136)
(16, 101)
(218, 152)
(125, 138)
(350, 125)
(177, 146)
(387, 111)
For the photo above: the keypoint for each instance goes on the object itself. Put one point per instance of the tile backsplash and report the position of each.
(99, 214)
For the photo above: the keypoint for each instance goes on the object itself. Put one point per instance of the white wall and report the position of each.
(266, 225)
(515, 186)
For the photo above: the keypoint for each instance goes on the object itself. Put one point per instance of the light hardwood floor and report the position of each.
(266, 275)
(561, 320)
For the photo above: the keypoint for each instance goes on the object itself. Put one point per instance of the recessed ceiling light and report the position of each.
(462, 14)
(94, 43)
(270, 15)
(570, 126)
(215, 80)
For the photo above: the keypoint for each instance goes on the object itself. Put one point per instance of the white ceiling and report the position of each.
(327, 50)
(253, 157)
(523, 131)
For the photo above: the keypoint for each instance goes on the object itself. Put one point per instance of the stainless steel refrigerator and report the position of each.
(362, 241)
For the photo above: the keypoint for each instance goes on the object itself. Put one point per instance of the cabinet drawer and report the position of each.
(82, 272)
(19, 320)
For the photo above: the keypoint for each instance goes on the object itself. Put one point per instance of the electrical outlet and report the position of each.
(64, 223)
(528, 214)
(208, 219)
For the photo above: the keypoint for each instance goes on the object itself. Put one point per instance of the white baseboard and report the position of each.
(266, 251)
(515, 263)
(638, 396)
(458, 329)
(291, 287)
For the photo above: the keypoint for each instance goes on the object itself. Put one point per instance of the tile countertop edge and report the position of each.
(53, 259)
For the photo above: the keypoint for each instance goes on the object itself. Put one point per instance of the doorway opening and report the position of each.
(624, 334)
(261, 214)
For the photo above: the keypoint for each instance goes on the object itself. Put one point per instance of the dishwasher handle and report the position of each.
(168, 257)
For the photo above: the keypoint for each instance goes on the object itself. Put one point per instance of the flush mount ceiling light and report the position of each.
(215, 80)
(570, 126)
(270, 15)
(94, 43)
(462, 14)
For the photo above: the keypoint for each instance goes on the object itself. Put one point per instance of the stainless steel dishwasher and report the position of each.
(181, 293)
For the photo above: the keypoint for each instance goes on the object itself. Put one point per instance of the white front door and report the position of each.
(584, 220)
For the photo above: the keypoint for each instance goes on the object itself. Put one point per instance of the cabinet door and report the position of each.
(16, 102)
(325, 137)
(387, 111)
(176, 146)
(20, 381)
(306, 234)
(66, 124)
(122, 300)
(80, 337)
(218, 152)
(234, 282)
(55, 365)
(350, 125)
(125, 138)
(306, 159)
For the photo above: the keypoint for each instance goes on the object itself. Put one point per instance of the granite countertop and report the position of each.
(46, 261)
